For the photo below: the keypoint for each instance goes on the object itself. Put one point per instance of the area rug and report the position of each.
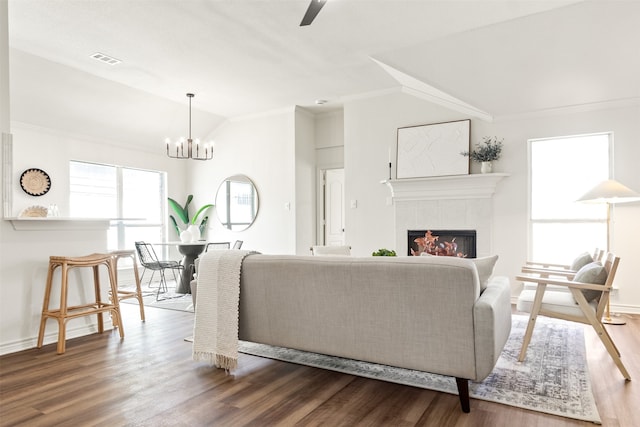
(554, 378)
(168, 300)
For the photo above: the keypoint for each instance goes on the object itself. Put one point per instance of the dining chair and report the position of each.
(330, 250)
(149, 259)
(217, 245)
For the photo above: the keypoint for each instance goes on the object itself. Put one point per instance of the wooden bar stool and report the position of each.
(124, 294)
(64, 312)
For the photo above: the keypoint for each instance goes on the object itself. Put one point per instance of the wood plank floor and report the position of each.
(149, 379)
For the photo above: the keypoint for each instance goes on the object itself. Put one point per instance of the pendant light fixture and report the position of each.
(188, 148)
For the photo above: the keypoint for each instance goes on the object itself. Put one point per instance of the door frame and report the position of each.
(320, 202)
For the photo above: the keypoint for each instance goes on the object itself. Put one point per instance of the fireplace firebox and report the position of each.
(458, 243)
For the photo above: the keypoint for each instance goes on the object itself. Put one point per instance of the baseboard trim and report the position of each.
(624, 309)
(52, 337)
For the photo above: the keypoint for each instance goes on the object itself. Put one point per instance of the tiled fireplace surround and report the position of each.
(461, 202)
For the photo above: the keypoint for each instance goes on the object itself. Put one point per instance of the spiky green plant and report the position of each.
(182, 212)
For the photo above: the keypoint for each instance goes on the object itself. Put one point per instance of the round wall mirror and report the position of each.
(237, 203)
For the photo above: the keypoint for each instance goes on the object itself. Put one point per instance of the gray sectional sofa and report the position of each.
(433, 314)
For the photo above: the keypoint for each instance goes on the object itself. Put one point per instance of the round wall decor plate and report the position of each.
(34, 212)
(35, 182)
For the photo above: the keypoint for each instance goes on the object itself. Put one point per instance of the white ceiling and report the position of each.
(245, 57)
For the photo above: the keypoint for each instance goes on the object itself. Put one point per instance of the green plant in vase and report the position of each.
(487, 151)
(384, 252)
(182, 212)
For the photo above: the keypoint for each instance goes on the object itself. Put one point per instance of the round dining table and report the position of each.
(190, 251)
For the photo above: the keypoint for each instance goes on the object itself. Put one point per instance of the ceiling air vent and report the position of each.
(105, 58)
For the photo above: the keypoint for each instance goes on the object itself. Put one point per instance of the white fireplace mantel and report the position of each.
(472, 186)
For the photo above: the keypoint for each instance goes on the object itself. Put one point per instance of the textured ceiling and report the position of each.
(246, 57)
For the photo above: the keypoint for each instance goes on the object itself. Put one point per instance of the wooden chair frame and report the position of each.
(559, 268)
(589, 315)
(122, 294)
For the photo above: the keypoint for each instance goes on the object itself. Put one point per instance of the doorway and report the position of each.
(332, 209)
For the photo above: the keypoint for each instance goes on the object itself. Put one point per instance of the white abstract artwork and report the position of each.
(433, 150)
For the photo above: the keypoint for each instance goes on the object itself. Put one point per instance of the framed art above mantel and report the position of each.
(433, 150)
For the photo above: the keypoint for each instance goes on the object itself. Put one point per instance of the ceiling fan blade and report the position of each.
(312, 12)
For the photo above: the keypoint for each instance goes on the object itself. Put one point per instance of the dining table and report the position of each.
(190, 251)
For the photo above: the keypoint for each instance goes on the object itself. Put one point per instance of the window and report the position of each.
(562, 170)
(105, 191)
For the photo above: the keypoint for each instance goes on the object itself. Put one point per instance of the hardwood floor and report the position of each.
(149, 379)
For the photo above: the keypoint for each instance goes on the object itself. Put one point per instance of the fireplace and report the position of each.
(459, 243)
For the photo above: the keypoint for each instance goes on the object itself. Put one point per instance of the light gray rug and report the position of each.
(169, 300)
(553, 379)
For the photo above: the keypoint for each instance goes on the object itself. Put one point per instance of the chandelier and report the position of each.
(189, 148)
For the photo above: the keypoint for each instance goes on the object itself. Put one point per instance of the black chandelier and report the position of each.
(188, 148)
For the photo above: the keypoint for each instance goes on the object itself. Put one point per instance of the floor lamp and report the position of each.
(610, 192)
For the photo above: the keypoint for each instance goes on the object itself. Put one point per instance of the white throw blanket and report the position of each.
(215, 330)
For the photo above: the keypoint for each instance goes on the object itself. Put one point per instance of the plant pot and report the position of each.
(194, 230)
(486, 167)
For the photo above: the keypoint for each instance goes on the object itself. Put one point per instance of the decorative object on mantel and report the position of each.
(487, 151)
(190, 153)
(35, 182)
(193, 230)
(34, 212)
(384, 252)
(433, 150)
(53, 210)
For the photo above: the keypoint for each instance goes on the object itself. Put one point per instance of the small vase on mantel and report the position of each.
(486, 167)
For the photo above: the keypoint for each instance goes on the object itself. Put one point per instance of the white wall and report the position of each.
(329, 154)
(262, 148)
(25, 254)
(51, 150)
(370, 130)
(511, 202)
(4, 68)
(329, 129)
(305, 181)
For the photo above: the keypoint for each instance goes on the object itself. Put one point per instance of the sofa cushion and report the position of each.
(485, 269)
(593, 273)
(581, 260)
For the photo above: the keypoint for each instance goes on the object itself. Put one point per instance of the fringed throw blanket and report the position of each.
(215, 330)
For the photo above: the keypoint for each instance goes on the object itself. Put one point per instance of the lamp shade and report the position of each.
(610, 191)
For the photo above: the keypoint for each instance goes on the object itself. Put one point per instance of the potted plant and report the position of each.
(384, 252)
(193, 231)
(487, 151)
